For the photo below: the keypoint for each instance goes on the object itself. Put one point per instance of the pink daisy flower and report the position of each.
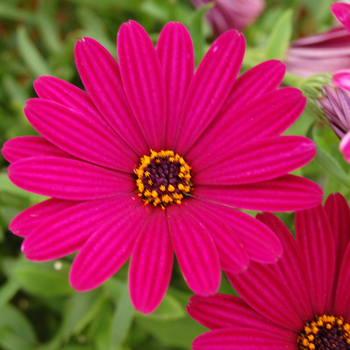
(301, 302)
(140, 164)
(232, 14)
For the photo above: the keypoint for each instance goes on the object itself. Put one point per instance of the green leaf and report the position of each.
(13, 319)
(11, 12)
(122, 319)
(8, 290)
(38, 280)
(11, 341)
(280, 37)
(196, 29)
(169, 309)
(30, 54)
(329, 164)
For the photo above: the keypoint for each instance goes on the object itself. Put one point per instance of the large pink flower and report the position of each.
(140, 164)
(301, 302)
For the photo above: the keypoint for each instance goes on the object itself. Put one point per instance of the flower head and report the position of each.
(232, 14)
(140, 164)
(301, 302)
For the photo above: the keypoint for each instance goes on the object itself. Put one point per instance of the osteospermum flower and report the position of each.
(232, 14)
(139, 165)
(301, 302)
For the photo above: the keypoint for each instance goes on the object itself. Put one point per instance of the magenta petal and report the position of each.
(240, 338)
(260, 160)
(78, 135)
(143, 82)
(108, 248)
(100, 74)
(338, 213)
(68, 179)
(342, 299)
(195, 251)
(66, 94)
(341, 79)
(175, 51)
(290, 267)
(65, 232)
(209, 88)
(266, 116)
(232, 253)
(286, 193)
(344, 147)
(263, 290)
(28, 220)
(226, 311)
(265, 77)
(30, 146)
(260, 243)
(151, 264)
(341, 11)
(315, 239)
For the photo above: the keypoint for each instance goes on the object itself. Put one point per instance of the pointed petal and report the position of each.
(226, 311)
(260, 243)
(263, 290)
(315, 240)
(30, 146)
(264, 77)
(338, 213)
(143, 82)
(74, 133)
(66, 231)
(28, 220)
(341, 12)
(100, 74)
(175, 51)
(266, 116)
(209, 88)
(151, 264)
(344, 147)
(286, 193)
(243, 339)
(342, 299)
(258, 161)
(66, 94)
(108, 248)
(341, 79)
(195, 251)
(71, 179)
(290, 267)
(232, 253)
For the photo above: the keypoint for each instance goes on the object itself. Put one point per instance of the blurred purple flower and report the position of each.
(325, 52)
(232, 14)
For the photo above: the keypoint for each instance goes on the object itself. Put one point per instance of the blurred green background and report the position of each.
(38, 309)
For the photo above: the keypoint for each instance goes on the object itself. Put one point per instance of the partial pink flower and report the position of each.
(320, 53)
(325, 52)
(232, 14)
(153, 158)
(300, 303)
(335, 104)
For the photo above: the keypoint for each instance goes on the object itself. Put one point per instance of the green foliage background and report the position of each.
(38, 309)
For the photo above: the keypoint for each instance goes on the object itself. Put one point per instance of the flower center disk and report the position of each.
(163, 178)
(325, 332)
